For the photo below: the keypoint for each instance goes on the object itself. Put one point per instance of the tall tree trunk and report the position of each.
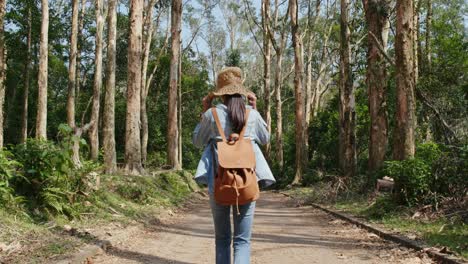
(403, 139)
(376, 80)
(72, 65)
(108, 130)
(278, 78)
(428, 35)
(172, 130)
(347, 126)
(279, 111)
(93, 132)
(317, 91)
(41, 119)
(310, 93)
(147, 37)
(179, 108)
(27, 77)
(2, 68)
(298, 90)
(132, 129)
(72, 83)
(78, 82)
(416, 45)
(266, 69)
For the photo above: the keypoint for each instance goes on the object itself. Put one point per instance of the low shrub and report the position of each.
(450, 173)
(49, 179)
(436, 171)
(412, 179)
(383, 206)
(8, 170)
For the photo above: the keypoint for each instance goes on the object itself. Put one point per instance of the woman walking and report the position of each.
(234, 118)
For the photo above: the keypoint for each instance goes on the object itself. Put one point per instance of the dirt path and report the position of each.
(282, 234)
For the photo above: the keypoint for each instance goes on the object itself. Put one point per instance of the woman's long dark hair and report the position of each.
(236, 111)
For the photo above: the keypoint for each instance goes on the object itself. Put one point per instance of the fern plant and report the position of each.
(8, 170)
(49, 177)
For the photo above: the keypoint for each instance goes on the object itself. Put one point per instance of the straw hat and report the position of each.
(229, 81)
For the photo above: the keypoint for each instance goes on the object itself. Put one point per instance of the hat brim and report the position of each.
(231, 89)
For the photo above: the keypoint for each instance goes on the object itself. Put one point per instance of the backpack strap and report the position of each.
(246, 120)
(220, 128)
(218, 124)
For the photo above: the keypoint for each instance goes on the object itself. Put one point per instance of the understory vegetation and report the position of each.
(41, 192)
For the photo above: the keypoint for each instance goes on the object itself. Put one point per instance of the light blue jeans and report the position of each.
(242, 232)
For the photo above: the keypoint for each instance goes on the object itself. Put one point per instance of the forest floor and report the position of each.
(283, 233)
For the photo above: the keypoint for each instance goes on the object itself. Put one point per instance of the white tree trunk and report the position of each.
(132, 129)
(93, 132)
(108, 130)
(41, 118)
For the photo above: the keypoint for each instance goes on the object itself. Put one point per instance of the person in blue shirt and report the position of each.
(231, 114)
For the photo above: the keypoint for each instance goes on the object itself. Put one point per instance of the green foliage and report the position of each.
(49, 180)
(233, 58)
(432, 174)
(450, 173)
(382, 207)
(8, 169)
(412, 178)
(429, 152)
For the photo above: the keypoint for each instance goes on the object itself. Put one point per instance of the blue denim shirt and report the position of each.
(206, 134)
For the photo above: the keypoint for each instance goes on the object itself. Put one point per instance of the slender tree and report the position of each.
(147, 37)
(428, 34)
(72, 65)
(415, 37)
(132, 129)
(81, 21)
(41, 118)
(347, 121)
(108, 130)
(280, 27)
(266, 68)
(403, 138)
(377, 13)
(93, 132)
(2, 67)
(312, 34)
(172, 130)
(298, 90)
(27, 77)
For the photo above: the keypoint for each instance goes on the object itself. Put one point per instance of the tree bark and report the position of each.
(318, 92)
(147, 37)
(266, 69)
(347, 125)
(72, 66)
(97, 86)
(172, 129)
(179, 108)
(298, 91)
(403, 139)
(376, 80)
(27, 77)
(279, 111)
(416, 45)
(428, 34)
(41, 118)
(132, 130)
(2, 67)
(310, 93)
(78, 82)
(108, 130)
(278, 78)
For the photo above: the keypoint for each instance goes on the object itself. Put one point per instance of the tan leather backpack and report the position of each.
(235, 181)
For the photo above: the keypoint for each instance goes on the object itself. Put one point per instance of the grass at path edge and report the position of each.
(440, 231)
(29, 238)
